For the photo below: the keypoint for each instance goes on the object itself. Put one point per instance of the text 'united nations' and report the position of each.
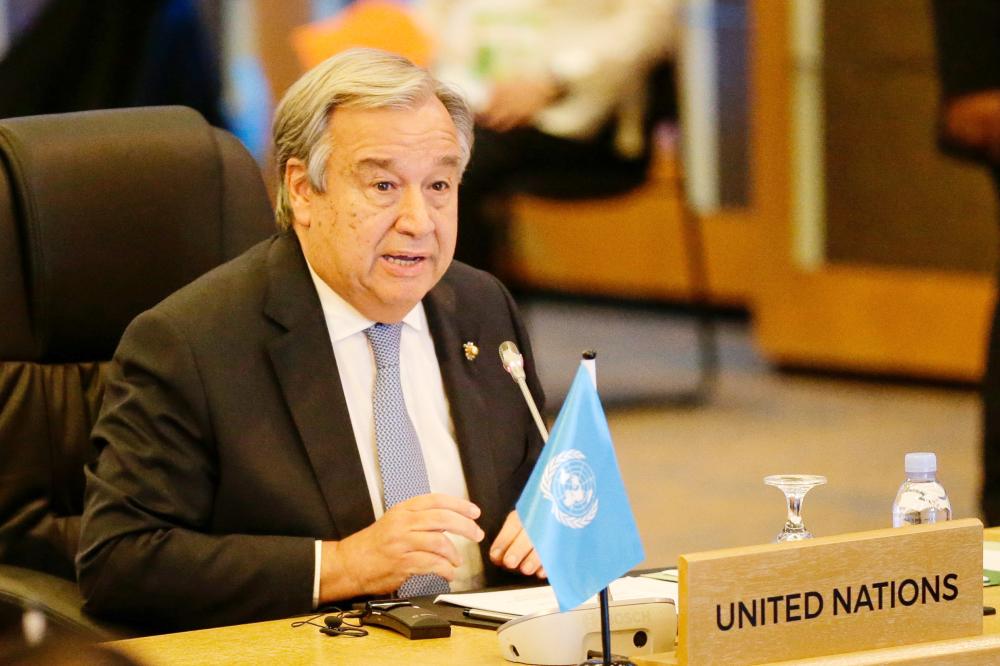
(848, 600)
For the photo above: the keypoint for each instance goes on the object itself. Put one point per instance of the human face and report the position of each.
(383, 233)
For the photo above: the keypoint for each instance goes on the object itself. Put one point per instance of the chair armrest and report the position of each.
(59, 598)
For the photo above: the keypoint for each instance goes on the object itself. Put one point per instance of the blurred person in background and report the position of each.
(561, 94)
(77, 55)
(968, 44)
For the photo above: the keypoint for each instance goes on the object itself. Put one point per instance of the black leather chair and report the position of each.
(102, 214)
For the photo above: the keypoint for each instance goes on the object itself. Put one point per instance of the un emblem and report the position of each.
(569, 483)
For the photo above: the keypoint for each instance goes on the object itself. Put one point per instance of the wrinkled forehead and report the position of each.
(426, 113)
(385, 138)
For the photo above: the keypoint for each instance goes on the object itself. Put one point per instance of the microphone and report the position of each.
(513, 363)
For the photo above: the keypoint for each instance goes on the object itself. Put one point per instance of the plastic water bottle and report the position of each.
(920, 499)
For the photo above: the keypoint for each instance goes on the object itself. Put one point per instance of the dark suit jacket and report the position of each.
(227, 447)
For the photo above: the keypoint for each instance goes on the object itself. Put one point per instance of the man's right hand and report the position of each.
(408, 539)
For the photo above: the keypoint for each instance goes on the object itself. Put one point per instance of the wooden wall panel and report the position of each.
(845, 317)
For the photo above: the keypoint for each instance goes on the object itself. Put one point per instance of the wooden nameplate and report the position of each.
(831, 595)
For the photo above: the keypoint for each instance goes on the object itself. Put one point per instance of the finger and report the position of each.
(491, 121)
(507, 121)
(440, 501)
(511, 528)
(420, 563)
(500, 115)
(530, 564)
(541, 573)
(487, 116)
(443, 520)
(517, 551)
(433, 543)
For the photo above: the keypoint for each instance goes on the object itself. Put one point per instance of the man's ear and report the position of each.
(300, 191)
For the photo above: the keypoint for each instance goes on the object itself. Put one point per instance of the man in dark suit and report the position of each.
(241, 469)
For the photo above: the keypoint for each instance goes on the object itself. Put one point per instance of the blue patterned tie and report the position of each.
(400, 460)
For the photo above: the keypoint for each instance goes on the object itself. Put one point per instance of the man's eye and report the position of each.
(440, 186)
(383, 186)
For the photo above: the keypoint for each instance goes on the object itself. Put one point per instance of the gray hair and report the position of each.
(359, 79)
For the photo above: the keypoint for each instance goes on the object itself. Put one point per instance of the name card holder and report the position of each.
(831, 595)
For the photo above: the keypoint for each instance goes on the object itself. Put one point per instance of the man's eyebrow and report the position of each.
(383, 163)
(373, 162)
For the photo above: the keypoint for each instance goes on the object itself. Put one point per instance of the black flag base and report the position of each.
(604, 657)
(596, 658)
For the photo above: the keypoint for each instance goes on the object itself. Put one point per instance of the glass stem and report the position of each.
(794, 511)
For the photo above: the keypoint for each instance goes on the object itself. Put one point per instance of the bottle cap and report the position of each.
(920, 463)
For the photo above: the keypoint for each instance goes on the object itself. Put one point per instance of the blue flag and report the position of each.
(574, 506)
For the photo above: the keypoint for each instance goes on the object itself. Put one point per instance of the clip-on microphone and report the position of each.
(335, 626)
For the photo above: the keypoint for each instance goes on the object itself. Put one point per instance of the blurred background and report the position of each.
(781, 273)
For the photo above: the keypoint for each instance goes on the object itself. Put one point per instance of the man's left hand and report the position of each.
(512, 549)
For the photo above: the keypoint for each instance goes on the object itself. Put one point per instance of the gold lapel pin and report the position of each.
(471, 350)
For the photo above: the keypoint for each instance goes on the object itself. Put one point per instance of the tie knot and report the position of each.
(384, 340)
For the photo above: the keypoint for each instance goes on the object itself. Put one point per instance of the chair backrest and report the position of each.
(102, 214)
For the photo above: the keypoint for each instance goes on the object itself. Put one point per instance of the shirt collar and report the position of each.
(343, 320)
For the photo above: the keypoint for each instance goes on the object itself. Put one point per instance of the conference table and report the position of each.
(277, 643)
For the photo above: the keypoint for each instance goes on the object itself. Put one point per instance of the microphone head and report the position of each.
(512, 360)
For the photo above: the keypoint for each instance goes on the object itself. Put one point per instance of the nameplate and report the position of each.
(831, 595)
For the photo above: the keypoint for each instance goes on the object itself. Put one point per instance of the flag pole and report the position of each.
(590, 363)
(605, 627)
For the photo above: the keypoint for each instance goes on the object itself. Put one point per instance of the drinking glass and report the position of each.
(795, 487)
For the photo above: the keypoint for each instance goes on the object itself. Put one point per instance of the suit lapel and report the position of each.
(307, 373)
(466, 398)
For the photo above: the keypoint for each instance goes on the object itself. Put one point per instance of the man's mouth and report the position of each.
(403, 259)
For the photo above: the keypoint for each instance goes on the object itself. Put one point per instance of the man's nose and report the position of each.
(414, 217)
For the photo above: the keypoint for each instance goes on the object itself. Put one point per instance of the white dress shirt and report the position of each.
(426, 404)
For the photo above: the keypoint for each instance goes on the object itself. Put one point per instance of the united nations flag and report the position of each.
(574, 506)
